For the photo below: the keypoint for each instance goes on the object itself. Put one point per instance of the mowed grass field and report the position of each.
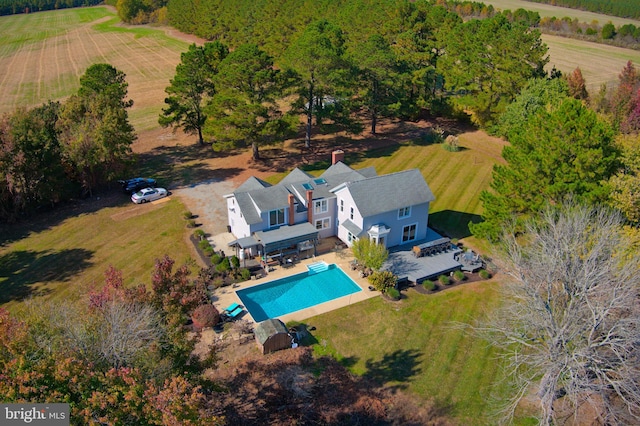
(414, 345)
(599, 63)
(43, 55)
(63, 255)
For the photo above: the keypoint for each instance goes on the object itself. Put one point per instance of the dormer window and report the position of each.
(276, 218)
(404, 212)
(321, 206)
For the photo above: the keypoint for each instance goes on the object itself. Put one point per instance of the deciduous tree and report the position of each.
(568, 325)
(369, 254)
(577, 85)
(94, 126)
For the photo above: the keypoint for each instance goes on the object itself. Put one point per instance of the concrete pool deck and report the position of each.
(225, 296)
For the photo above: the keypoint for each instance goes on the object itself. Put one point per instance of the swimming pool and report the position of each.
(300, 291)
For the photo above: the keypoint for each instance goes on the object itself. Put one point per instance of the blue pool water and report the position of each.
(300, 291)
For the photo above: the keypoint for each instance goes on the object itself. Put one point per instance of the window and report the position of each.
(276, 217)
(323, 223)
(351, 214)
(404, 212)
(341, 205)
(321, 206)
(409, 233)
(350, 237)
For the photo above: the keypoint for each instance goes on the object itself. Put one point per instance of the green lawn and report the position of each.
(413, 345)
(63, 255)
(43, 55)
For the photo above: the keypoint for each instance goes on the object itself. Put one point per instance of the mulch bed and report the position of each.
(469, 279)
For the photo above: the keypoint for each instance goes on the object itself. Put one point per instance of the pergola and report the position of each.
(302, 236)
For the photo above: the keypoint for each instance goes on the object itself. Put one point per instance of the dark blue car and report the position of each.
(136, 184)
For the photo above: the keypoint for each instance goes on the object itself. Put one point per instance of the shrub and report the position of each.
(459, 275)
(444, 280)
(245, 274)
(187, 215)
(191, 223)
(208, 251)
(224, 265)
(451, 144)
(382, 280)
(484, 274)
(205, 316)
(218, 282)
(235, 262)
(216, 259)
(204, 244)
(199, 233)
(429, 285)
(431, 136)
(393, 293)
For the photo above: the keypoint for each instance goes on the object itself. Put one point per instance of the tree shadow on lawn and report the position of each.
(25, 268)
(177, 166)
(452, 223)
(110, 195)
(398, 366)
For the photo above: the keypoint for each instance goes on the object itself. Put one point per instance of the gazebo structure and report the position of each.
(272, 335)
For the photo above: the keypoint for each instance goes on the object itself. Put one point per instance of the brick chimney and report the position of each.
(292, 210)
(310, 207)
(337, 155)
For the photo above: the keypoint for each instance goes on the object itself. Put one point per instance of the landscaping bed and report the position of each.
(469, 278)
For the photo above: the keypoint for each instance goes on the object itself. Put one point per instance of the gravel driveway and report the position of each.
(205, 200)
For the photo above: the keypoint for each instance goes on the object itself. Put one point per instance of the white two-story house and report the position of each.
(390, 209)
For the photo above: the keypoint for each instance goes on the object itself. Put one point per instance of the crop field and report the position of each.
(42, 56)
(559, 12)
(599, 63)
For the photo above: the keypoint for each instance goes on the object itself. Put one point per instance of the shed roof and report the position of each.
(268, 328)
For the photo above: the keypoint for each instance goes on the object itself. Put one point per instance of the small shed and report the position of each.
(272, 335)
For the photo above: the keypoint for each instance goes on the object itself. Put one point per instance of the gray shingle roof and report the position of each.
(251, 184)
(268, 328)
(352, 227)
(270, 198)
(368, 172)
(246, 206)
(390, 192)
(295, 176)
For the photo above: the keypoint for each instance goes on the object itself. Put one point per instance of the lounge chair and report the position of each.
(234, 313)
(230, 308)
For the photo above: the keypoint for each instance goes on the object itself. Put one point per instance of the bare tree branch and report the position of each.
(570, 321)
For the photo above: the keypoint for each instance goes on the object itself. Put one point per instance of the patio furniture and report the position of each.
(230, 308)
(237, 311)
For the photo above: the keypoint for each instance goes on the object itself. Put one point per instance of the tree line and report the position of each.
(59, 151)
(12, 7)
(422, 59)
(621, 8)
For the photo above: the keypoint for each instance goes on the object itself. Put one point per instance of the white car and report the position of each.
(148, 194)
